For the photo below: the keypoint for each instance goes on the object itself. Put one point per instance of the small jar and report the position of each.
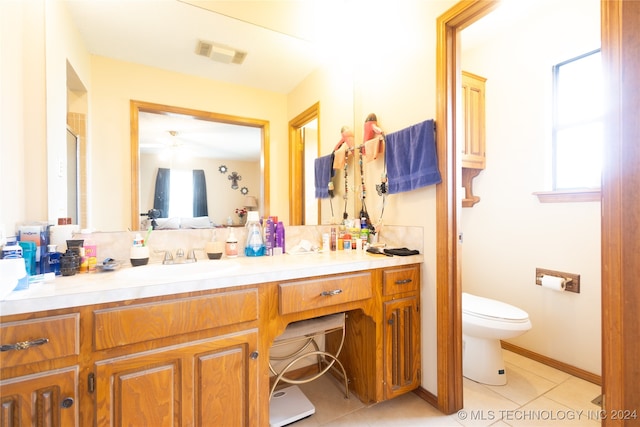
(69, 263)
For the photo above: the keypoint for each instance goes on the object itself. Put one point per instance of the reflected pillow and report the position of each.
(199, 222)
(168, 223)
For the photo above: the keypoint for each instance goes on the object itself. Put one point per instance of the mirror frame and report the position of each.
(140, 106)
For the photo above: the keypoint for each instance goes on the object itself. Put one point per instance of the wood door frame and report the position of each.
(296, 163)
(448, 283)
(620, 198)
(620, 219)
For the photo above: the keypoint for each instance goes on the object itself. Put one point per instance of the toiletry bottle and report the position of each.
(12, 249)
(325, 242)
(255, 244)
(84, 261)
(279, 241)
(269, 237)
(231, 248)
(90, 250)
(334, 239)
(51, 261)
(29, 249)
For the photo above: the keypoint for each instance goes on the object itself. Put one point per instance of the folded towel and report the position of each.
(411, 158)
(339, 157)
(373, 148)
(323, 173)
(401, 251)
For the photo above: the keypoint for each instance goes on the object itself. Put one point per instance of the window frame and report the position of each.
(564, 194)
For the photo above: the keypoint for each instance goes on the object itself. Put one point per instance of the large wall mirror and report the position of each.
(222, 158)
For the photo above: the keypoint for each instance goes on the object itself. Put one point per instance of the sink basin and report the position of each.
(179, 272)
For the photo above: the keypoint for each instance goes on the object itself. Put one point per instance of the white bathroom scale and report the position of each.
(289, 405)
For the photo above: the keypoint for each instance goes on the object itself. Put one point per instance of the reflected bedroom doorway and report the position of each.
(304, 148)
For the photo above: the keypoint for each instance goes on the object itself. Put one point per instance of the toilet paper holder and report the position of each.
(571, 281)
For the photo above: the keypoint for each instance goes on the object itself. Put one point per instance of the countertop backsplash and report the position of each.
(116, 245)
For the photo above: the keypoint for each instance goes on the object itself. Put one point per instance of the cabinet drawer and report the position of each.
(323, 292)
(40, 339)
(132, 324)
(398, 280)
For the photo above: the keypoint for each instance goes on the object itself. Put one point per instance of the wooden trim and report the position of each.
(428, 397)
(448, 283)
(568, 196)
(620, 220)
(296, 163)
(561, 366)
(136, 106)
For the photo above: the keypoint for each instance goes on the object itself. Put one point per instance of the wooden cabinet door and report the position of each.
(473, 101)
(401, 346)
(206, 383)
(44, 399)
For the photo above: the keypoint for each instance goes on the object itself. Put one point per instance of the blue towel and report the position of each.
(411, 158)
(323, 173)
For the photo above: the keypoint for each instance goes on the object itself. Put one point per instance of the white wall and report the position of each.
(394, 77)
(22, 114)
(510, 233)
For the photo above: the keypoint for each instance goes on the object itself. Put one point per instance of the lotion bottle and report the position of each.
(231, 247)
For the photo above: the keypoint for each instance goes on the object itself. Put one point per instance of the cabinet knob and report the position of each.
(67, 402)
(254, 355)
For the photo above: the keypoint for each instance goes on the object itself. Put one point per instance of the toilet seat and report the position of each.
(489, 309)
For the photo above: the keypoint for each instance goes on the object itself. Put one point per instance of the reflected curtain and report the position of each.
(199, 194)
(163, 188)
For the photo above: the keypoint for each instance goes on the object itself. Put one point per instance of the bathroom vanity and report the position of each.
(190, 347)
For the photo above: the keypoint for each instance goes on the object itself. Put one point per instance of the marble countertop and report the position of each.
(128, 283)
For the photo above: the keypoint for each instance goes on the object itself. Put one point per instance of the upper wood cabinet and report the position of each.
(473, 133)
(473, 93)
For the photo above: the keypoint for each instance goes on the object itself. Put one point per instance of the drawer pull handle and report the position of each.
(254, 355)
(67, 402)
(330, 293)
(403, 281)
(23, 345)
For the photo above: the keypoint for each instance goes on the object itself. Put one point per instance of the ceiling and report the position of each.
(164, 34)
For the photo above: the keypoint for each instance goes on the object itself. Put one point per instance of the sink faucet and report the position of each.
(168, 258)
(179, 255)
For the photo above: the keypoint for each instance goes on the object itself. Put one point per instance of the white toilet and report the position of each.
(484, 323)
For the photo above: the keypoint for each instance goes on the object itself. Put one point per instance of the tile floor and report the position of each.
(535, 395)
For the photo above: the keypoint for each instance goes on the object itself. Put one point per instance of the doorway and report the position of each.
(304, 148)
(620, 369)
(73, 152)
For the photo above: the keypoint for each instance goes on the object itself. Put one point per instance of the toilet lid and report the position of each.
(484, 307)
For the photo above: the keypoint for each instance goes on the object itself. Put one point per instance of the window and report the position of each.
(181, 200)
(578, 123)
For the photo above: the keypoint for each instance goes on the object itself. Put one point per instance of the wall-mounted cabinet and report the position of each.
(473, 132)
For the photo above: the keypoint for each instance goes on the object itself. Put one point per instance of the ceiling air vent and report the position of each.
(239, 57)
(220, 53)
(203, 48)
